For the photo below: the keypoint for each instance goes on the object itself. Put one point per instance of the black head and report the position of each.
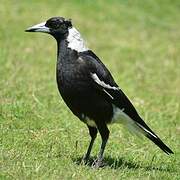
(56, 26)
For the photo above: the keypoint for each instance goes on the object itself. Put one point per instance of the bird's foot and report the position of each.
(84, 160)
(98, 163)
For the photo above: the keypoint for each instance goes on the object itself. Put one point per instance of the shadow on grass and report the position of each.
(116, 163)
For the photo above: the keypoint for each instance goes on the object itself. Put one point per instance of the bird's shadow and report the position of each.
(122, 163)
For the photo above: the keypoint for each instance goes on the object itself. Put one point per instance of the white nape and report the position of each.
(75, 41)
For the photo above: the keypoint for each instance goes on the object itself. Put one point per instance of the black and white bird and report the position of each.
(88, 88)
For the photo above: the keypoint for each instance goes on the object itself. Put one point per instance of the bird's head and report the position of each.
(56, 26)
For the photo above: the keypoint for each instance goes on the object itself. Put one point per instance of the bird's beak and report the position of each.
(39, 28)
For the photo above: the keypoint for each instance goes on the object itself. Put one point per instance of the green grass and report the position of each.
(40, 138)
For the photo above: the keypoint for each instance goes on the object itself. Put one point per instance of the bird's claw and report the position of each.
(84, 160)
(98, 163)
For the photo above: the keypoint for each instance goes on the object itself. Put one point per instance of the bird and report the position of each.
(89, 90)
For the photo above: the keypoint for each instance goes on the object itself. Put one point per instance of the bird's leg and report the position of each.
(104, 131)
(93, 134)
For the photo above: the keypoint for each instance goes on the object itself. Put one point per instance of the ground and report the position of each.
(139, 41)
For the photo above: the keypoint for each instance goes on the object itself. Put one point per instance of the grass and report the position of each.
(40, 138)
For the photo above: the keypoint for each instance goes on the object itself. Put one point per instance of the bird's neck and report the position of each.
(65, 55)
(70, 45)
(73, 39)
(63, 52)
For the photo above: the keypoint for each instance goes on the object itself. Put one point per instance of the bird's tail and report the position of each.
(154, 138)
(139, 127)
(160, 144)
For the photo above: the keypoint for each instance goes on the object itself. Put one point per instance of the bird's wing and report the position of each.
(103, 80)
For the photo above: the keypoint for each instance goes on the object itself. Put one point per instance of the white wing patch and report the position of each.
(75, 40)
(108, 94)
(102, 83)
(119, 116)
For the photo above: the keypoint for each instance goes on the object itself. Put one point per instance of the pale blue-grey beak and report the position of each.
(39, 28)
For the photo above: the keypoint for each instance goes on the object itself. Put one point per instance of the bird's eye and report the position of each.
(53, 24)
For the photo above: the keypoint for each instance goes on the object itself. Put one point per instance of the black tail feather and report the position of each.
(153, 137)
(160, 144)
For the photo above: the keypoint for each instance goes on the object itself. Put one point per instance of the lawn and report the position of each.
(139, 41)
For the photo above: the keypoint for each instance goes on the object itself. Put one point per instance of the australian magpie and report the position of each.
(88, 88)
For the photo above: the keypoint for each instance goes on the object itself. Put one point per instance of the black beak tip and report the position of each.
(29, 30)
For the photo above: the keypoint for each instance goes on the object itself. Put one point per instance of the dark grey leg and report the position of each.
(93, 134)
(104, 131)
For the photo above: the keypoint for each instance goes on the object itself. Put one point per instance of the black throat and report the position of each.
(66, 57)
